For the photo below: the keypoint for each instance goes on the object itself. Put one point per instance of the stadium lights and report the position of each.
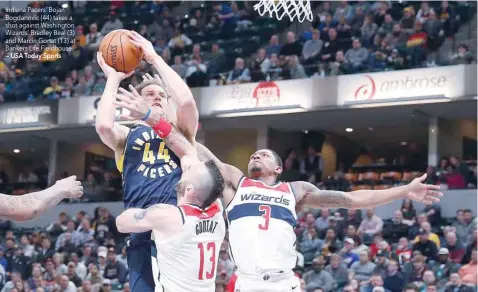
(16, 151)
(403, 143)
(349, 130)
(64, 5)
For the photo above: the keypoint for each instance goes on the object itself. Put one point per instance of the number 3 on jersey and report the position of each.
(148, 155)
(210, 247)
(266, 209)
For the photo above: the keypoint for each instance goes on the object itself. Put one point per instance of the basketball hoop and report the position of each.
(299, 9)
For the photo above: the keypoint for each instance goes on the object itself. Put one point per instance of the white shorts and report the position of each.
(265, 283)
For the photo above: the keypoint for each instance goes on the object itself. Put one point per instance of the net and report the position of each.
(295, 9)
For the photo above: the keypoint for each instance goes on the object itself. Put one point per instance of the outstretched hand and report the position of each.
(110, 71)
(139, 41)
(71, 186)
(425, 193)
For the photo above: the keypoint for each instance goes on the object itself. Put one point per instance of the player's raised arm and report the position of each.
(187, 113)
(135, 220)
(32, 205)
(111, 133)
(309, 195)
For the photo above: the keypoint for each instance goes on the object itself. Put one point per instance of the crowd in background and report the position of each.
(345, 38)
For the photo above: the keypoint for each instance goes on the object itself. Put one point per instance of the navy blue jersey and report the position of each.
(150, 170)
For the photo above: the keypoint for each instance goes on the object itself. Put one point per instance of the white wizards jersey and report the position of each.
(188, 260)
(262, 219)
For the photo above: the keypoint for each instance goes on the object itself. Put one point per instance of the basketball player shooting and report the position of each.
(150, 170)
(262, 210)
(188, 236)
(33, 205)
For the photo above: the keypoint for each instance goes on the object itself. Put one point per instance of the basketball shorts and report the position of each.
(139, 255)
(267, 283)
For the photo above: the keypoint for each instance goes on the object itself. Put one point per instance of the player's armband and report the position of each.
(162, 128)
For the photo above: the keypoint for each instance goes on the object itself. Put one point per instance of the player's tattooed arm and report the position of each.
(135, 220)
(32, 205)
(309, 195)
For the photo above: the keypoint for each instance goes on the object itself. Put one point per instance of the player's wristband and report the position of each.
(147, 115)
(162, 128)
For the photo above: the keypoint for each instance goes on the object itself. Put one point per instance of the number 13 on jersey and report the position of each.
(210, 249)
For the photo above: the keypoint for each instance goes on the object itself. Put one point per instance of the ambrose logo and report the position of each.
(365, 91)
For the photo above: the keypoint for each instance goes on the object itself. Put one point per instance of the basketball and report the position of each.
(119, 52)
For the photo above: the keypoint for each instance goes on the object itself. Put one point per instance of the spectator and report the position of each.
(94, 276)
(80, 268)
(456, 249)
(310, 245)
(370, 226)
(464, 225)
(381, 263)
(431, 236)
(368, 30)
(312, 48)
(456, 284)
(417, 43)
(295, 68)
(179, 42)
(363, 269)
(179, 67)
(239, 74)
(344, 31)
(262, 60)
(67, 88)
(418, 269)
(115, 271)
(396, 229)
(228, 20)
(356, 56)
(397, 38)
(312, 166)
(83, 234)
(111, 24)
(330, 47)
(434, 28)
(349, 257)
(72, 274)
(292, 47)
(387, 25)
(28, 249)
(433, 212)
(273, 47)
(463, 56)
(443, 267)
(27, 176)
(344, 10)
(338, 272)
(326, 25)
(426, 247)
(54, 90)
(424, 13)
(408, 21)
(394, 279)
(60, 241)
(93, 39)
(66, 285)
(469, 273)
(331, 243)
(375, 284)
(322, 223)
(290, 173)
(318, 277)
(215, 60)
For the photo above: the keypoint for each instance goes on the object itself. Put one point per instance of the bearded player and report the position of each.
(262, 210)
(150, 170)
(187, 237)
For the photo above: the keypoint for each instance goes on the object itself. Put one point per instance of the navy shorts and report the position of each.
(138, 252)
